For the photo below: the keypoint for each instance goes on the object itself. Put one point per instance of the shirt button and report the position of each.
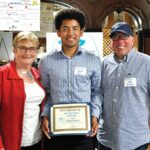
(114, 100)
(118, 75)
(117, 87)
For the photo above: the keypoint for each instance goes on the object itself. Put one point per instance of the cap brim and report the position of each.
(122, 31)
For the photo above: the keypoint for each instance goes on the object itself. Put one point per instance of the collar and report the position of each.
(79, 51)
(126, 58)
(12, 74)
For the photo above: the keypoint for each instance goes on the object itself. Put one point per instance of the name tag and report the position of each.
(80, 71)
(130, 82)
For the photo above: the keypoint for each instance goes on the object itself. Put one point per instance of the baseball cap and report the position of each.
(121, 27)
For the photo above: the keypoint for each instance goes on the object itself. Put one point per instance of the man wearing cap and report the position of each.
(124, 122)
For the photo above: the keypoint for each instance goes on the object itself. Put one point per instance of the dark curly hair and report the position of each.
(70, 13)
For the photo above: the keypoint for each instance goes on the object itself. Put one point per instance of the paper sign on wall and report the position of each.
(18, 15)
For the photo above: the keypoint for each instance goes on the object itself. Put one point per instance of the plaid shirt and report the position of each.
(69, 80)
(126, 92)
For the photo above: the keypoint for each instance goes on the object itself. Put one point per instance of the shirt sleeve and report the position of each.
(46, 109)
(45, 81)
(1, 141)
(96, 98)
(0, 87)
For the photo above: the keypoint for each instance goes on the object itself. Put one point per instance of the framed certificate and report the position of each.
(73, 119)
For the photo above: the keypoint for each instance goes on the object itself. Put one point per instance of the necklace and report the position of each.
(28, 74)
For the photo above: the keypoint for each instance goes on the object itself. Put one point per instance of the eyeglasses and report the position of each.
(117, 37)
(24, 49)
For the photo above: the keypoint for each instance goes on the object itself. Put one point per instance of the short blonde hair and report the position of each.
(25, 36)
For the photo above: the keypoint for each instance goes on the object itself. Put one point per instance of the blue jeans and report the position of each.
(102, 147)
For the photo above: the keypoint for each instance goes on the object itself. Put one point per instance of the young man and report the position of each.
(71, 75)
(126, 94)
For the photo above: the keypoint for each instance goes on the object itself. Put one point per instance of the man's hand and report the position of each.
(94, 126)
(45, 127)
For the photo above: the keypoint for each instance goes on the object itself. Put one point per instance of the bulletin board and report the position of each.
(18, 15)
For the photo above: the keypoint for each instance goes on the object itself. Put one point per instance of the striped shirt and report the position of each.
(71, 80)
(126, 92)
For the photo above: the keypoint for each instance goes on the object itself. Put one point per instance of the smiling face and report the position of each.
(25, 52)
(122, 45)
(70, 33)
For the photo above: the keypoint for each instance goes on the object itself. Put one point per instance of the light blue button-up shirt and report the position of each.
(126, 93)
(69, 80)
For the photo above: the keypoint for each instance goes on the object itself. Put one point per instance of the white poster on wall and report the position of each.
(91, 41)
(18, 15)
(6, 39)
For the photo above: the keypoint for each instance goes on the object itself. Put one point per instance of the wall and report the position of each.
(97, 10)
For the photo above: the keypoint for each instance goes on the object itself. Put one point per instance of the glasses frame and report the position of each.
(24, 49)
(117, 37)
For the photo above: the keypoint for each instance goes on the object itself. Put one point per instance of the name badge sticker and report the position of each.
(80, 71)
(130, 82)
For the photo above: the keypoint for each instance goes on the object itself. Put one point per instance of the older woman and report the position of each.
(21, 97)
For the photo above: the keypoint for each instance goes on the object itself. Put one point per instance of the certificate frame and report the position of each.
(70, 119)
